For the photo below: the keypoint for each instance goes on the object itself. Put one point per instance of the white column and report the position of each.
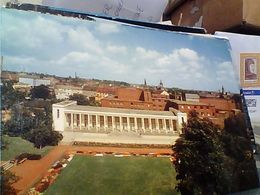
(136, 127)
(164, 125)
(89, 122)
(97, 122)
(74, 120)
(113, 123)
(120, 123)
(105, 123)
(80, 122)
(171, 125)
(86, 121)
(157, 125)
(71, 121)
(150, 124)
(142, 120)
(128, 123)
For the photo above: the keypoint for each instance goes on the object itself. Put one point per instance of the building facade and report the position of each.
(203, 109)
(68, 116)
(33, 82)
(63, 92)
(136, 98)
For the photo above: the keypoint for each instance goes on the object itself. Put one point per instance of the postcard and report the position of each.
(92, 106)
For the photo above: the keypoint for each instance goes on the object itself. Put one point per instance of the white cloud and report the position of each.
(107, 28)
(225, 71)
(188, 54)
(82, 39)
(116, 49)
(147, 54)
(74, 57)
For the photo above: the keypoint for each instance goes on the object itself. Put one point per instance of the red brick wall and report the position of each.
(220, 104)
(116, 103)
(129, 93)
(203, 111)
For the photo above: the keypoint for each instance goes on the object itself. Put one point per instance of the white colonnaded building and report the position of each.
(68, 116)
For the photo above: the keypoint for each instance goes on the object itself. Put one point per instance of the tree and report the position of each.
(41, 91)
(240, 160)
(43, 136)
(21, 121)
(199, 158)
(10, 96)
(213, 161)
(7, 180)
(81, 99)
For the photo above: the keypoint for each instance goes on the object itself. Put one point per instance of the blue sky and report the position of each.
(43, 43)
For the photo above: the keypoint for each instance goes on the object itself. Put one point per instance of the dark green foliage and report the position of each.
(237, 147)
(33, 124)
(7, 179)
(28, 156)
(213, 161)
(21, 121)
(41, 91)
(199, 159)
(43, 136)
(10, 96)
(80, 99)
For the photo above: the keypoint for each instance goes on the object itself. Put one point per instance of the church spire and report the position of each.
(161, 83)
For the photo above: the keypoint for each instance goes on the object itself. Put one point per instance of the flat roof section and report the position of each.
(119, 110)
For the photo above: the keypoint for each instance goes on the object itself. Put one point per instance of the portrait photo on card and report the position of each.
(249, 70)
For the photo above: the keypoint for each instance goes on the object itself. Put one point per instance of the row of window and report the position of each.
(199, 107)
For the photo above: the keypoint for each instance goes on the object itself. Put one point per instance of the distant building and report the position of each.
(104, 92)
(67, 116)
(192, 97)
(33, 82)
(63, 92)
(221, 104)
(203, 109)
(23, 87)
(136, 98)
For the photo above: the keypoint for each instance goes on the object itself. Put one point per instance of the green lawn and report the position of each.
(17, 145)
(108, 175)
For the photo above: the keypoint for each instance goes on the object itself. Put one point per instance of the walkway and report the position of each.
(124, 138)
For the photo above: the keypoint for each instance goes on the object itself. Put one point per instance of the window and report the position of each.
(58, 113)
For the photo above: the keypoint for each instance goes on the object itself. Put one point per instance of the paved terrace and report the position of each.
(124, 138)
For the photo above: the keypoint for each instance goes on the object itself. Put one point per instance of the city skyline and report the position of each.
(110, 51)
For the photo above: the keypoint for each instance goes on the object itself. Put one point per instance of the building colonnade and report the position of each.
(125, 123)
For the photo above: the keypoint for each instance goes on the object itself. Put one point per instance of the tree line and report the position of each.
(31, 120)
(210, 161)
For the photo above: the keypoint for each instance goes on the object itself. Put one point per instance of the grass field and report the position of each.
(108, 175)
(17, 145)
